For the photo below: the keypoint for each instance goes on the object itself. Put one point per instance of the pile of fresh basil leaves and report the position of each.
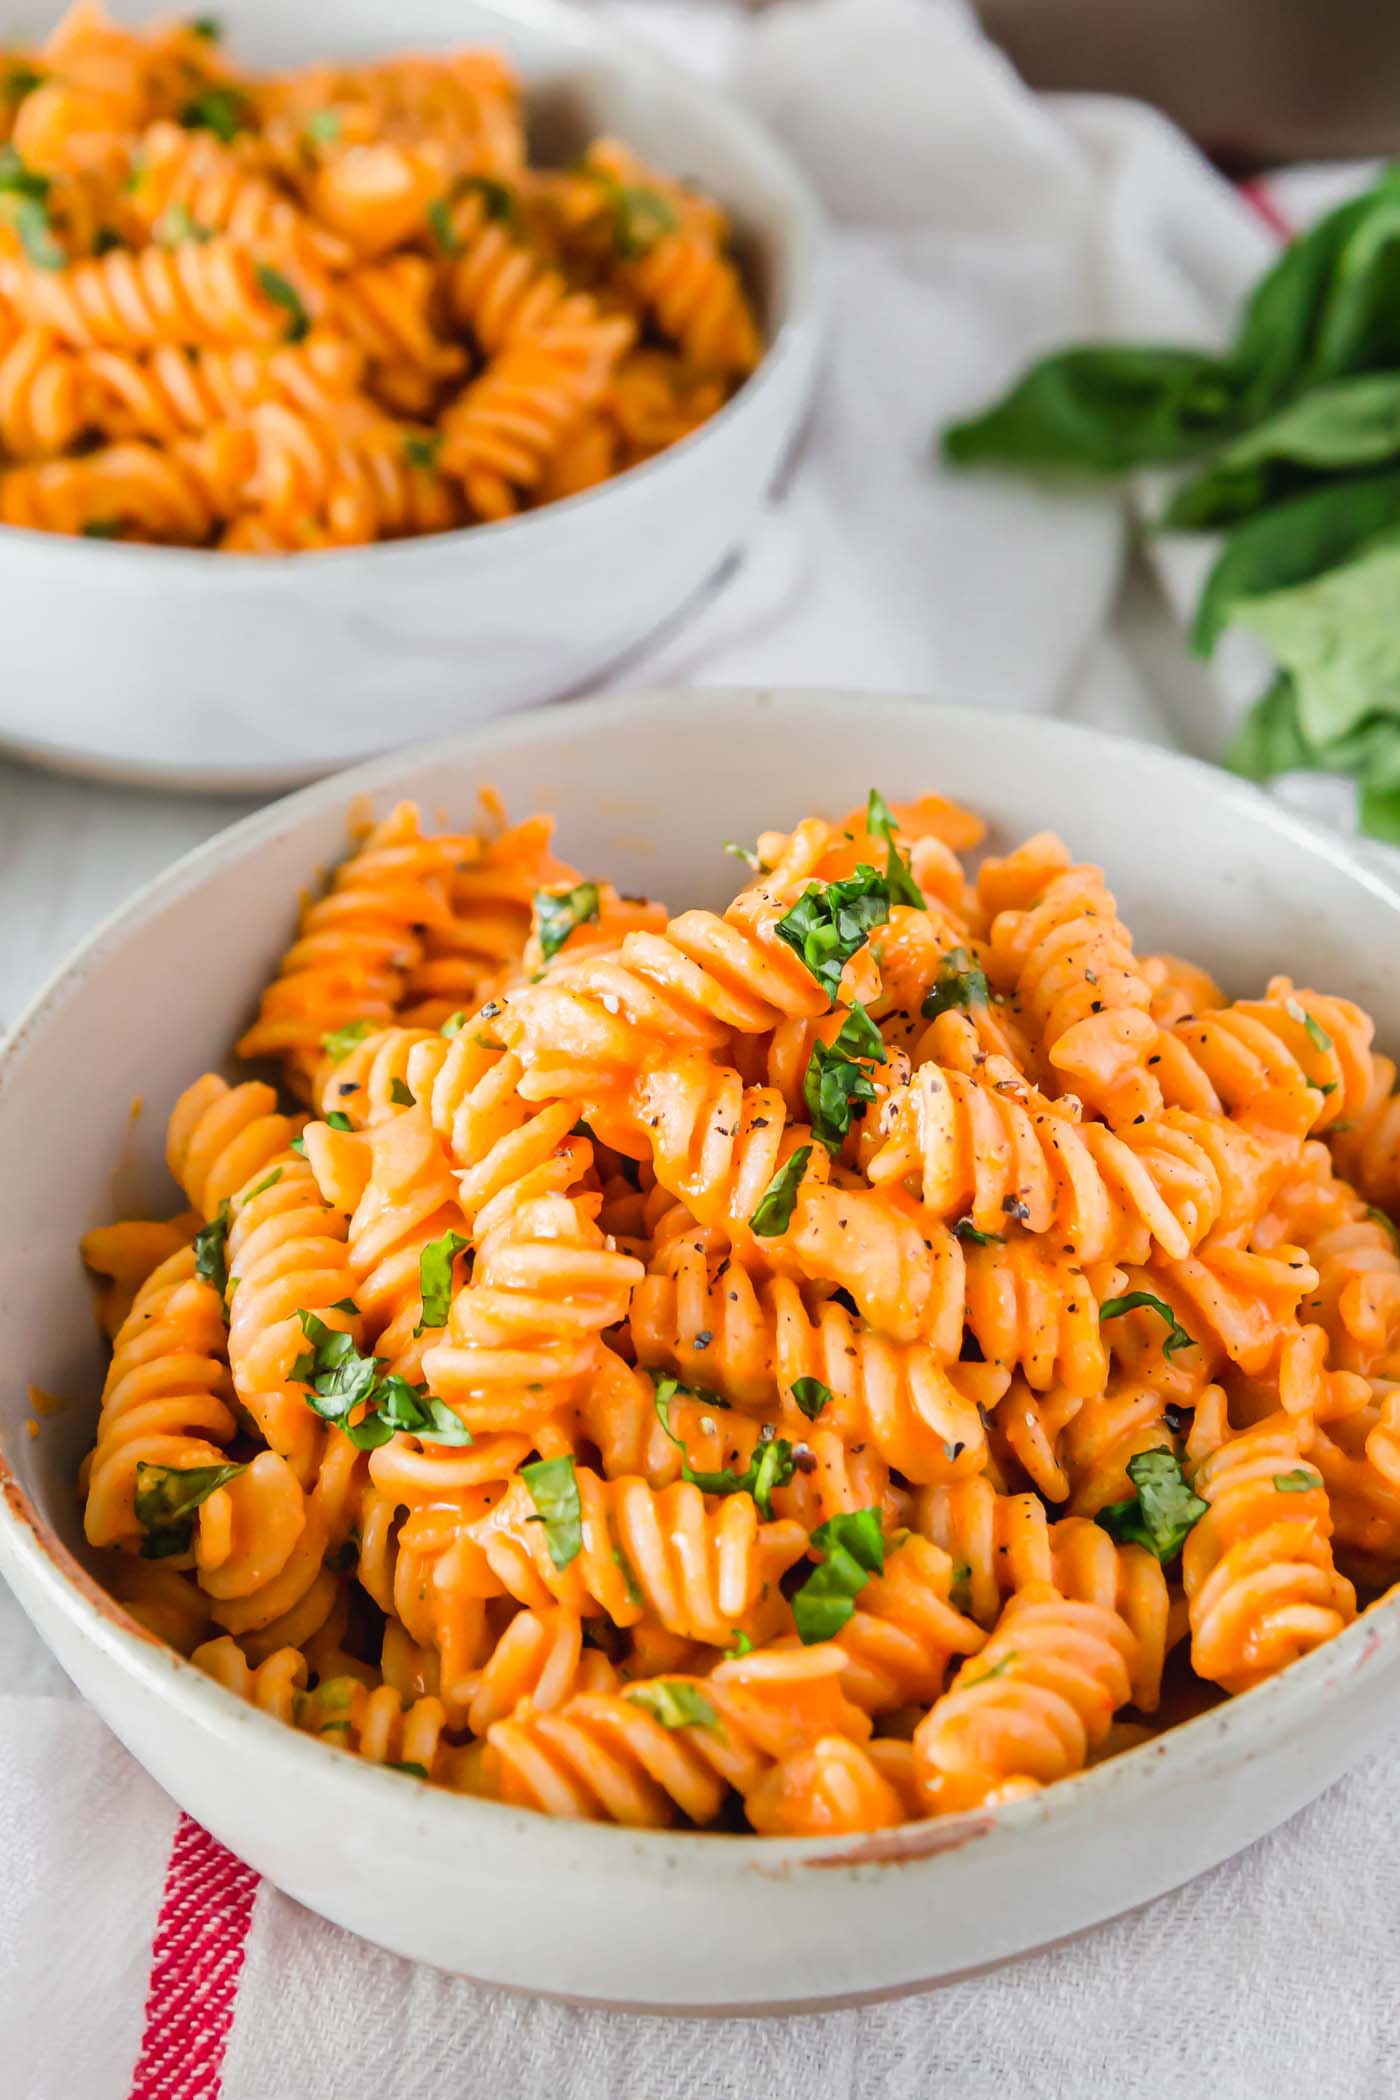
(1294, 438)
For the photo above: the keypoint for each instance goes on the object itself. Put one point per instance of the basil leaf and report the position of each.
(1270, 740)
(1299, 1482)
(747, 855)
(211, 1251)
(453, 1025)
(282, 292)
(323, 127)
(742, 1645)
(961, 983)
(102, 529)
(1292, 543)
(269, 1181)
(837, 1079)
(20, 80)
(338, 1120)
(1134, 1301)
(406, 1764)
(831, 922)
(879, 822)
(674, 1703)
(854, 1545)
(770, 1467)
(413, 1408)
(1316, 1034)
(811, 1396)
(221, 110)
(17, 180)
(209, 27)
(553, 1488)
(641, 216)
(176, 224)
(439, 218)
(421, 449)
(166, 1500)
(1163, 1510)
(435, 1279)
(967, 1232)
(30, 218)
(341, 1041)
(556, 916)
(1102, 409)
(338, 1376)
(775, 1206)
(1350, 424)
(400, 1094)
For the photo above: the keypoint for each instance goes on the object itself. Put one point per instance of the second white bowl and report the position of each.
(199, 670)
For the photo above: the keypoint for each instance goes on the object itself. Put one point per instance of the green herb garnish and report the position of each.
(166, 1500)
(775, 1206)
(341, 1041)
(221, 110)
(811, 1396)
(1299, 1482)
(1317, 1035)
(323, 127)
(336, 1119)
(406, 1764)
(770, 1467)
(400, 1094)
(961, 983)
(831, 922)
(211, 1250)
(283, 293)
(1135, 1301)
(1162, 1511)
(557, 915)
(552, 1485)
(854, 1546)
(339, 1379)
(879, 822)
(967, 1232)
(435, 1279)
(838, 1077)
(674, 1703)
(421, 450)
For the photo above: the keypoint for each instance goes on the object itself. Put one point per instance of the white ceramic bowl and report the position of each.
(646, 789)
(191, 669)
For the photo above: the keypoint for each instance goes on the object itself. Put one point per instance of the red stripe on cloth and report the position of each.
(1261, 199)
(196, 1956)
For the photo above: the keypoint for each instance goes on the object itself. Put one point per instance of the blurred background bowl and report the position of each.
(190, 669)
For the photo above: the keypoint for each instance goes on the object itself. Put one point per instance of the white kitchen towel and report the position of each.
(975, 226)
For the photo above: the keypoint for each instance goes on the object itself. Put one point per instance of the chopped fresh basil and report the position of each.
(553, 1488)
(338, 1120)
(453, 1025)
(1317, 1035)
(854, 1546)
(406, 1764)
(967, 1232)
(770, 1467)
(439, 220)
(435, 1279)
(556, 916)
(1299, 1482)
(299, 1145)
(209, 27)
(674, 1703)
(211, 1251)
(811, 1396)
(838, 1077)
(773, 1214)
(641, 217)
(747, 855)
(102, 529)
(166, 1500)
(17, 180)
(742, 1645)
(23, 199)
(421, 448)
(400, 1094)
(20, 80)
(996, 1669)
(341, 1041)
(831, 922)
(879, 822)
(322, 127)
(269, 1181)
(339, 1380)
(1135, 1301)
(497, 196)
(176, 224)
(282, 292)
(1381, 1218)
(961, 983)
(221, 110)
(1163, 1510)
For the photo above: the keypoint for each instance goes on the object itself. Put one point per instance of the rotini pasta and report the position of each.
(865, 1354)
(316, 309)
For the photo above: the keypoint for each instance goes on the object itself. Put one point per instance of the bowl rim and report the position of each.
(806, 249)
(1222, 1737)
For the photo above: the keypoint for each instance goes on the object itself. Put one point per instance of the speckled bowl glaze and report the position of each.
(645, 789)
(191, 669)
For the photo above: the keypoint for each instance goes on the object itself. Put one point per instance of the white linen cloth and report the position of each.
(975, 225)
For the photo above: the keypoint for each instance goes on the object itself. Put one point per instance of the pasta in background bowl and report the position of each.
(269, 287)
(1206, 1374)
